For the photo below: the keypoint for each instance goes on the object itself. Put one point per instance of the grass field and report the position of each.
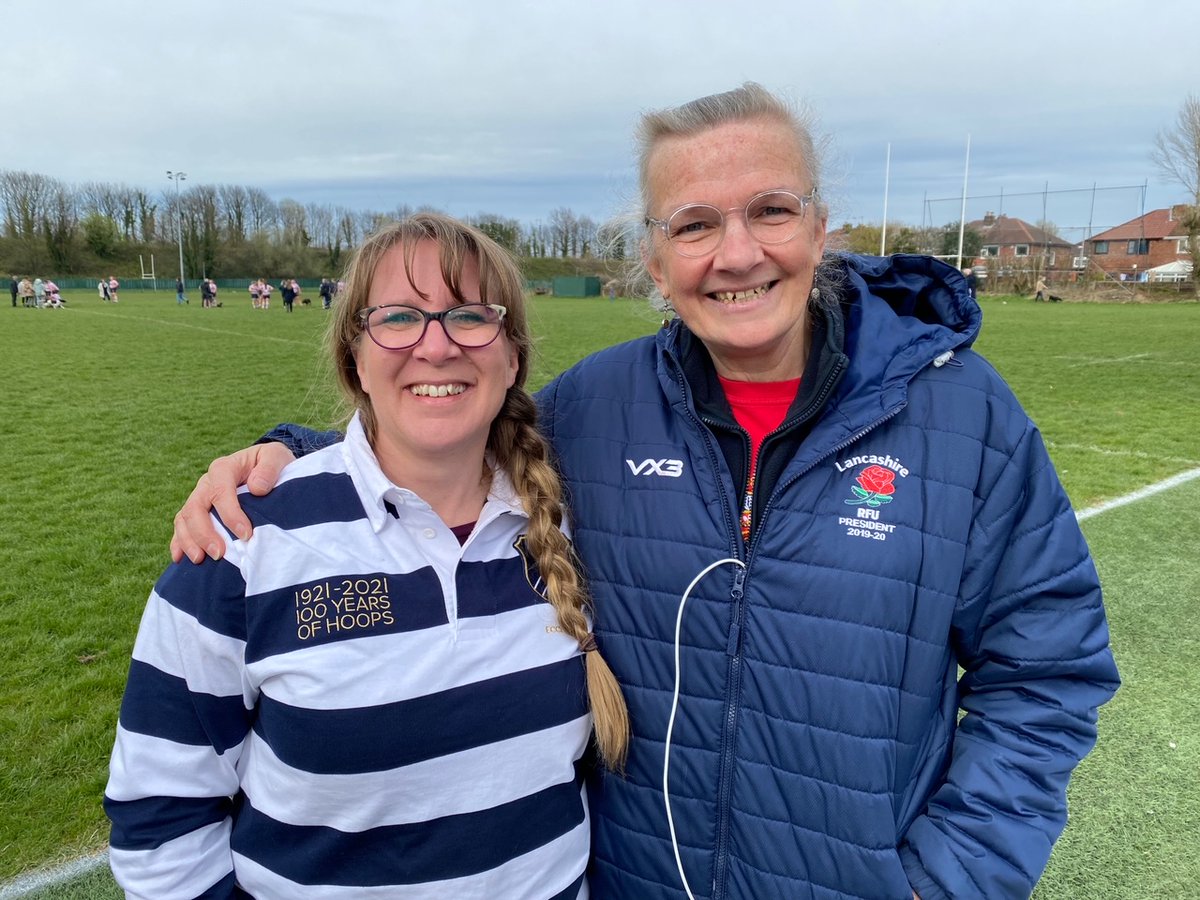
(111, 411)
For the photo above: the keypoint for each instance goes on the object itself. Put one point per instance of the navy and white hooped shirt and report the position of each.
(350, 704)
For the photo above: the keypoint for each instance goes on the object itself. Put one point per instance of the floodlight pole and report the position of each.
(962, 215)
(178, 177)
(887, 177)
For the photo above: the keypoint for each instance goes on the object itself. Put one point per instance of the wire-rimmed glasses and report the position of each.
(395, 326)
(771, 217)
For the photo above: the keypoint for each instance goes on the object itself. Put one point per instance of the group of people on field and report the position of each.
(108, 289)
(260, 294)
(35, 294)
(783, 600)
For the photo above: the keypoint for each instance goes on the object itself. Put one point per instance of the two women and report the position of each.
(384, 691)
(804, 506)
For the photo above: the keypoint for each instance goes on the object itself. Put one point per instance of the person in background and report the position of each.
(384, 692)
(102, 289)
(113, 289)
(14, 288)
(326, 293)
(972, 282)
(255, 290)
(265, 296)
(212, 293)
(39, 292)
(180, 297)
(53, 297)
(1040, 289)
(861, 634)
(25, 290)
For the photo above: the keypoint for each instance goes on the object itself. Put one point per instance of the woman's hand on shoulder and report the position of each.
(258, 467)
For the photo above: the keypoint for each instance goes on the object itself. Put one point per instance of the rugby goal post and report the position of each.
(148, 275)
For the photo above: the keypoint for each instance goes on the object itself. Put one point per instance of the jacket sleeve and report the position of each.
(1031, 637)
(300, 439)
(184, 717)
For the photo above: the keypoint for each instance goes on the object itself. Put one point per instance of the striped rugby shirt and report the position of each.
(350, 704)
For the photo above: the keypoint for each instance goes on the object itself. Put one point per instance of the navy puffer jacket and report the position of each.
(917, 527)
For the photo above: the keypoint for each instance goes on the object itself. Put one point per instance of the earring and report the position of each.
(814, 295)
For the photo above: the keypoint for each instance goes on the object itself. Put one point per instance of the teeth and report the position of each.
(735, 296)
(437, 390)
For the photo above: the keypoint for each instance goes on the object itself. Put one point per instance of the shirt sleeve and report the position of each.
(1032, 639)
(300, 439)
(183, 721)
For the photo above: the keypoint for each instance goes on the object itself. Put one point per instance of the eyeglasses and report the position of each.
(397, 327)
(771, 217)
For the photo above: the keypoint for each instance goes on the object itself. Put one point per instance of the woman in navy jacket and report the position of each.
(806, 506)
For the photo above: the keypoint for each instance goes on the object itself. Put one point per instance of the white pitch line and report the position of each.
(240, 334)
(47, 878)
(1140, 494)
(1136, 454)
(1103, 361)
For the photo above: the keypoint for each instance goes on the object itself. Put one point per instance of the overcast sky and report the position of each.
(518, 108)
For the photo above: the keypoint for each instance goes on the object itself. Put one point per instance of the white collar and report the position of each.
(377, 491)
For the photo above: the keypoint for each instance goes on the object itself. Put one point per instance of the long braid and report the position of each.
(522, 452)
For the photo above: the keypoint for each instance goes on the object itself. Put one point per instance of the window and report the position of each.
(1183, 246)
(1100, 247)
(1021, 250)
(1138, 248)
(990, 250)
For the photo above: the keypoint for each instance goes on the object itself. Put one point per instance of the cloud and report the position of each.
(533, 103)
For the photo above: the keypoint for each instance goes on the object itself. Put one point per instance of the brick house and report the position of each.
(1128, 250)
(1011, 244)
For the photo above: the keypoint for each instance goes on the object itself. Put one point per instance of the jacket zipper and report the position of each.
(725, 779)
(733, 650)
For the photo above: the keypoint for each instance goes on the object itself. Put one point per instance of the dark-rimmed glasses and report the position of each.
(771, 217)
(398, 327)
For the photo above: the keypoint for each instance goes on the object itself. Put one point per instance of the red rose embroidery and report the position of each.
(874, 487)
(877, 480)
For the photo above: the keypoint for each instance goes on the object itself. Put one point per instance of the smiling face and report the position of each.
(747, 301)
(433, 404)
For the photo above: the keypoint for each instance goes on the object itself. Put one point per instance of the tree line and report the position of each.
(51, 226)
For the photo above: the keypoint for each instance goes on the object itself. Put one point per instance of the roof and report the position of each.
(1179, 266)
(1154, 225)
(1004, 231)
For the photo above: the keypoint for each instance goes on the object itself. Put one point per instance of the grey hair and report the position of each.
(746, 103)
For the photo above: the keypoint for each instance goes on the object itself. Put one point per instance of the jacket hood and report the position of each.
(902, 313)
(918, 287)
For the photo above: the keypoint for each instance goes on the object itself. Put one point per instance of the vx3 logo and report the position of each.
(671, 468)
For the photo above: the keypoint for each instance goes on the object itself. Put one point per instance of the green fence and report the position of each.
(577, 286)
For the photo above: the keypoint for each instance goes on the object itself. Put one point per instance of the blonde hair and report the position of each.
(514, 442)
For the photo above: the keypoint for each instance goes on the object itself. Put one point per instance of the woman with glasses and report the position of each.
(805, 506)
(385, 690)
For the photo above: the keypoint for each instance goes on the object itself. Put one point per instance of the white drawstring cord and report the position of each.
(671, 720)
